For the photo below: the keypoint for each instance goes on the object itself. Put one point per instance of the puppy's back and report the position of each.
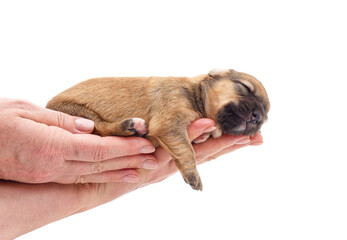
(126, 97)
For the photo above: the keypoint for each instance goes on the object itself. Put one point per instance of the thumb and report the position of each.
(199, 127)
(70, 123)
(54, 118)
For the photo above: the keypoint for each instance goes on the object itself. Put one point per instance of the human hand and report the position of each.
(25, 207)
(206, 151)
(39, 145)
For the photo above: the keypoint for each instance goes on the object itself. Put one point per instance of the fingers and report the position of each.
(215, 145)
(209, 150)
(65, 121)
(160, 174)
(200, 127)
(256, 140)
(84, 147)
(253, 141)
(98, 171)
(53, 118)
(145, 161)
(195, 129)
(220, 153)
(126, 175)
(92, 148)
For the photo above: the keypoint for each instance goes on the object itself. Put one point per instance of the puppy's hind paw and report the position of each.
(193, 179)
(137, 126)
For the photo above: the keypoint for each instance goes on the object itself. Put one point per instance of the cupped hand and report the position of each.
(39, 145)
(28, 206)
(206, 151)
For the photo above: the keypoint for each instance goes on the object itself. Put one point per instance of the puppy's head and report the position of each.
(238, 101)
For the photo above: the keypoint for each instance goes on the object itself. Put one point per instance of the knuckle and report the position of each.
(80, 179)
(100, 152)
(138, 160)
(132, 146)
(97, 167)
(17, 107)
(20, 104)
(129, 149)
(134, 162)
(60, 118)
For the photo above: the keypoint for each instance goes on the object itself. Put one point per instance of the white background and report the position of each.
(291, 187)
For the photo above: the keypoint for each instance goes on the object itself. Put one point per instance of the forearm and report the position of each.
(25, 207)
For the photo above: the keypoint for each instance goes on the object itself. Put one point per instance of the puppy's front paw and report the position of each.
(193, 179)
(137, 126)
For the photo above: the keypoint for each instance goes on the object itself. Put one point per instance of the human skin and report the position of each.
(19, 201)
(39, 145)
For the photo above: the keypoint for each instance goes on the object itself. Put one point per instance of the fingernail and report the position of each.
(131, 179)
(244, 141)
(147, 149)
(84, 125)
(150, 164)
(210, 129)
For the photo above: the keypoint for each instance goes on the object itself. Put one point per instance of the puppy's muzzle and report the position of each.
(240, 121)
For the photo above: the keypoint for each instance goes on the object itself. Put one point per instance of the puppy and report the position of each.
(161, 108)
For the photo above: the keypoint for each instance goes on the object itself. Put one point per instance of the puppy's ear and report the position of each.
(220, 73)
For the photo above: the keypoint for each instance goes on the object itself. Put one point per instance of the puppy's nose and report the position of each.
(255, 118)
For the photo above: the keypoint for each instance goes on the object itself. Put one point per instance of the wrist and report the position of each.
(50, 202)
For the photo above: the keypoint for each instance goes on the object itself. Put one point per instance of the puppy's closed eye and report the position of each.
(245, 87)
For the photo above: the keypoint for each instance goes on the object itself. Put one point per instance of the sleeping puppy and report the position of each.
(161, 108)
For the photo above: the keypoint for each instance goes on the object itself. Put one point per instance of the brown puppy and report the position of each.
(161, 108)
